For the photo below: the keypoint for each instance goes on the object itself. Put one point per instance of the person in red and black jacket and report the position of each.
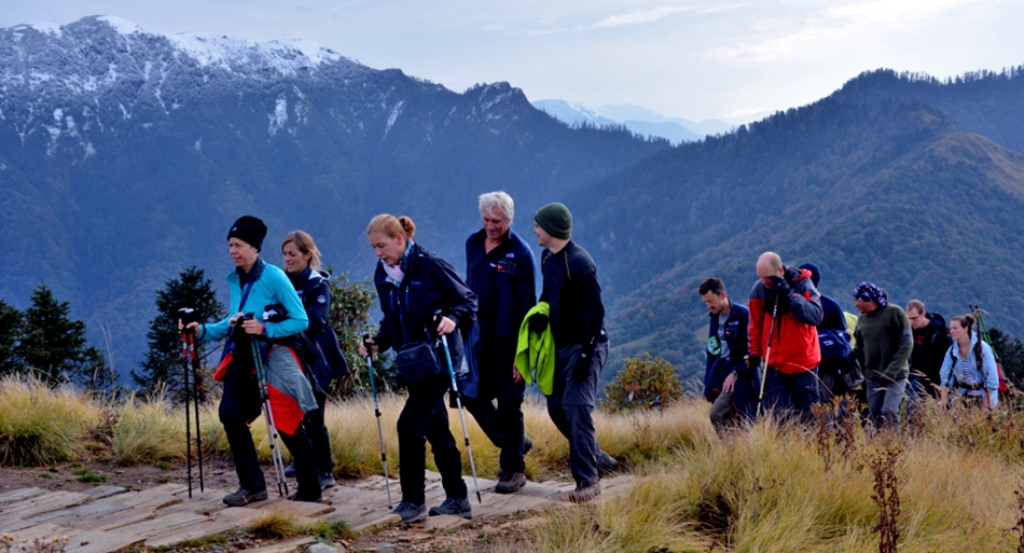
(791, 378)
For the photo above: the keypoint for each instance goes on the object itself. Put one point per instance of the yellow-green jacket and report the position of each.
(535, 352)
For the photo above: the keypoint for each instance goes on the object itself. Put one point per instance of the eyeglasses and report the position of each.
(914, 318)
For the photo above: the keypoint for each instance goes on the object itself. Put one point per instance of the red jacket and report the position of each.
(794, 347)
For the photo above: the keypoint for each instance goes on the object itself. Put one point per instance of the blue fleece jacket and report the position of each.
(271, 287)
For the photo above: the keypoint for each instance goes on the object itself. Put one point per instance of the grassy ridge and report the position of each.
(764, 488)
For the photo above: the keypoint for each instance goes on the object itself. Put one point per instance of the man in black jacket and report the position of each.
(577, 326)
(500, 271)
(931, 342)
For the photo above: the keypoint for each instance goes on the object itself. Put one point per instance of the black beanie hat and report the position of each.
(250, 230)
(555, 219)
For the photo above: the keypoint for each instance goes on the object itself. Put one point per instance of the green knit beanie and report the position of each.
(555, 219)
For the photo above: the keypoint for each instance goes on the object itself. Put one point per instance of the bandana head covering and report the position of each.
(866, 291)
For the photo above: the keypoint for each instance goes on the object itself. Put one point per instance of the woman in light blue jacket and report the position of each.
(969, 366)
(264, 291)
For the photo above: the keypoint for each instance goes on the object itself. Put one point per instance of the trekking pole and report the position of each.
(185, 347)
(196, 375)
(767, 355)
(268, 416)
(376, 412)
(458, 401)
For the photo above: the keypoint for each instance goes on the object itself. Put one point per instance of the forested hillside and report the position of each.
(893, 193)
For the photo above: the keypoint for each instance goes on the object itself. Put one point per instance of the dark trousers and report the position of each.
(504, 425)
(571, 407)
(318, 436)
(425, 418)
(241, 405)
(798, 391)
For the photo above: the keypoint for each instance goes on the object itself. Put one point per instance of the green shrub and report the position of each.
(644, 383)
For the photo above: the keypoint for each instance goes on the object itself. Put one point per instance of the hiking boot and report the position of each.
(524, 448)
(582, 494)
(452, 506)
(243, 497)
(327, 480)
(606, 463)
(510, 482)
(411, 513)
(289, 471)
(295, 497)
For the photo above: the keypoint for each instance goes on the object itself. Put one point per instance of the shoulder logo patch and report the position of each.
(322, 299)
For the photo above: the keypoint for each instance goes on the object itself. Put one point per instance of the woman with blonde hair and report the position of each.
(320, 349)
(422, 297)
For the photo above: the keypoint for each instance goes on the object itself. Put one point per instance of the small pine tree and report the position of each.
(11, 321)
(54, 346)
(164, 365)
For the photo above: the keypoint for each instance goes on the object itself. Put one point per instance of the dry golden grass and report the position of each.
(762, 488)
(148, 431)
(39, 425)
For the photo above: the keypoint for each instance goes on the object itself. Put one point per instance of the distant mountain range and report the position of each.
(635, 118)
(125, 155)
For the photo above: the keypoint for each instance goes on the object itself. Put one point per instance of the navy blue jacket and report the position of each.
(430, 284)
(327, 362)
(717, 368)
(503, 281)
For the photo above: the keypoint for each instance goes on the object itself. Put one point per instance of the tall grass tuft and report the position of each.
(149, 431)
(274, 526)
(39, 425)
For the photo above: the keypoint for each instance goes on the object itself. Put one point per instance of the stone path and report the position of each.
(111, 518)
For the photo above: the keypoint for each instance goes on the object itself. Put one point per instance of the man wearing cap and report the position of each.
(577, 326)
(834, 342)
(885, 341)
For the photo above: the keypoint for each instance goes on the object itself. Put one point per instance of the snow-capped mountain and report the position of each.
(125, 154)
(638, 119)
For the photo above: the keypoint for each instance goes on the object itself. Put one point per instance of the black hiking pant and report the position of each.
(316, 429)
(502, 425)
(571, 406)
(425, 418)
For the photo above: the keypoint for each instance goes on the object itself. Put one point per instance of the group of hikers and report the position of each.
(788, 349)
(804, 342)
(489, 330)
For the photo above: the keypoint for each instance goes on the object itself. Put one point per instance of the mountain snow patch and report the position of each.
(279, 118)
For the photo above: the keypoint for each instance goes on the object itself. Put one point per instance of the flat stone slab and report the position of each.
(110, 518)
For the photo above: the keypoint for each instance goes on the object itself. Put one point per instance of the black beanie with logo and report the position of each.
(249, 230)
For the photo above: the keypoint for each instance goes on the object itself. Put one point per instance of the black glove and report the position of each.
(538, 323)
(778, 297)
(779, 285)
(581, 370)
(753, 362)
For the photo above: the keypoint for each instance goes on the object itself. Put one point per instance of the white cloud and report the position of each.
(648, 16)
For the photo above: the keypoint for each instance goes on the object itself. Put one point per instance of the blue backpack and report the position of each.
(835, 343)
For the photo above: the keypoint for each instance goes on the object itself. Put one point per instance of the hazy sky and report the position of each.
(698, 60)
